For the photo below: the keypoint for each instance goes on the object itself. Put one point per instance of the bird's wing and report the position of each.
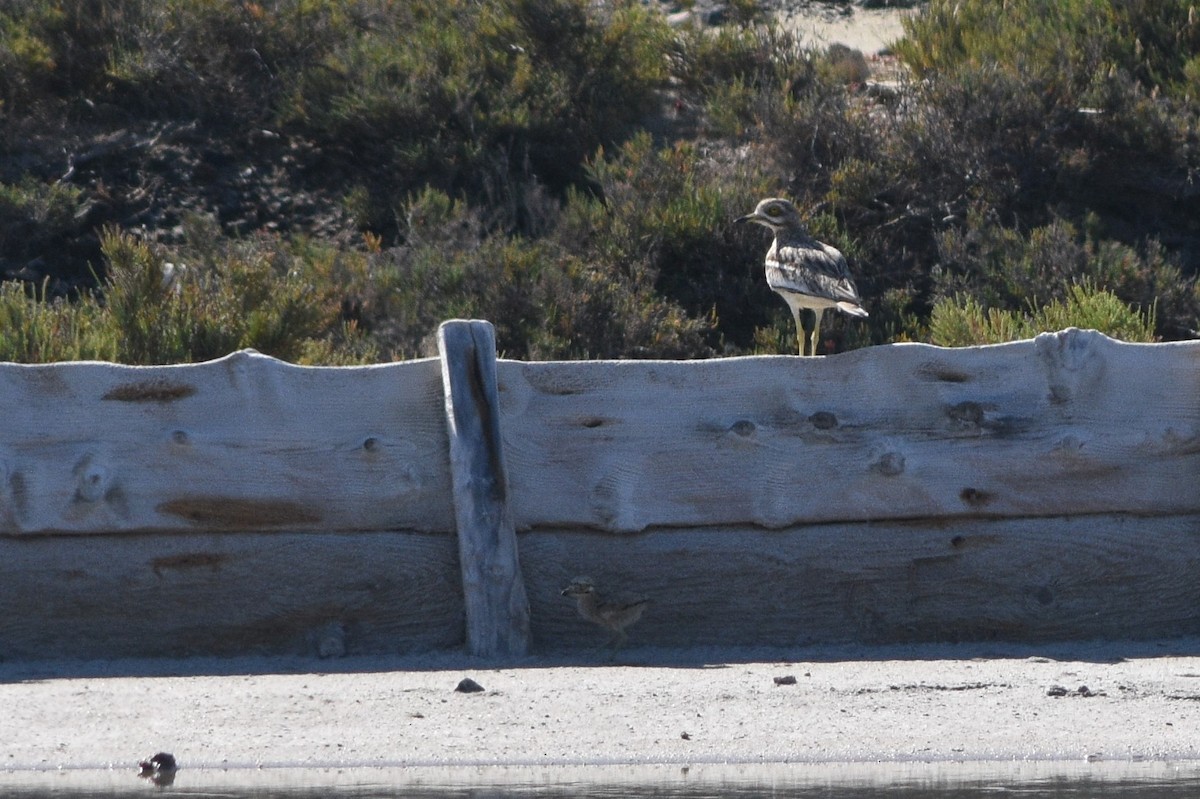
(816, 270)
(623, 613)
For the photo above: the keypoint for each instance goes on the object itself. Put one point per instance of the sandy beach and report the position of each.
(1093, 706)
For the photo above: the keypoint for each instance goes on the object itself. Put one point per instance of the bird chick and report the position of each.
(613, 616)
(810, 276)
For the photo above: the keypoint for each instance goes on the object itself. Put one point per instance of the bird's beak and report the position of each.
(746, 218)
(564, 592)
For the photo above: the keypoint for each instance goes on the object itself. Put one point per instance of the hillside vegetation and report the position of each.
(327, 180)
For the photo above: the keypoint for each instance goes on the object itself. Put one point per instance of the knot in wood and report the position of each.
(1069, 444)
(743, 428)
(974, 497)
(91, 481)
(890, 464)
(823, 420)
(157, 390)
(969, 413)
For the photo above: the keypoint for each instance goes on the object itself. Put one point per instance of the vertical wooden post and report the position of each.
(493, 588)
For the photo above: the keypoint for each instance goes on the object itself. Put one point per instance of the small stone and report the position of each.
(787, 679)
(1056, 690)
(468, 686)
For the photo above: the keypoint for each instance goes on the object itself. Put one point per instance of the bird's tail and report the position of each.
(852, 309)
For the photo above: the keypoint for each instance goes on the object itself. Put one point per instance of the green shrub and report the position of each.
(26, 57)
(1064, 45)
(462, 95)
(664, 220)
(570, 170)
(40, 331)
(38, 205)
(1001, 269)
(35, 219)
(188, 56)
(545, 301)
(1066, 103)
(215, 297)
(963, 321)
(741, 77)
(1030, 121)
(221, 297)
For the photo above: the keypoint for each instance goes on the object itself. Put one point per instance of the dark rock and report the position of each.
(468, 686)
(159, 768)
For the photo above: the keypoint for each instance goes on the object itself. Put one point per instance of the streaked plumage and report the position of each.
(808, 274)
(613, 616)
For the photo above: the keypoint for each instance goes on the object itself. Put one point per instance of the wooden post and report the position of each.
(497, 608)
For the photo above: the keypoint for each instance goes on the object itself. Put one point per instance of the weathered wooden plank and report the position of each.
(1114, 576)
(244, 442)
(1031, 580)
(494, 592)
(181, 594)
(1067, 423)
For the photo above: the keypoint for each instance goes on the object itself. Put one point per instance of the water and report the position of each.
(824, 781)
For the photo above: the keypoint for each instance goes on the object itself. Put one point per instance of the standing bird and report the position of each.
(809, 275)
(614, 616)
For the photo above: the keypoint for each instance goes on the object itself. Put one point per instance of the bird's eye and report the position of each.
(774, 210)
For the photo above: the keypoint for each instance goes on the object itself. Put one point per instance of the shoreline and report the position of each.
(832, 776)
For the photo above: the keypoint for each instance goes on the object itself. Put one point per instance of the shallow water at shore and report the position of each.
(1032, 780)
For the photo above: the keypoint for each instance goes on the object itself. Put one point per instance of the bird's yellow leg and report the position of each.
(808, 320)
(816, 332)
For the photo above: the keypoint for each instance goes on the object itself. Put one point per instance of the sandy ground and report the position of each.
(819, 24)
(868, 30)
(904, 706)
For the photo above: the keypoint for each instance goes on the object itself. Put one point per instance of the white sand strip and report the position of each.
(850, 705)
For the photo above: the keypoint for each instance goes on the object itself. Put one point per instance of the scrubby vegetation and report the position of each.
(326, 180)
